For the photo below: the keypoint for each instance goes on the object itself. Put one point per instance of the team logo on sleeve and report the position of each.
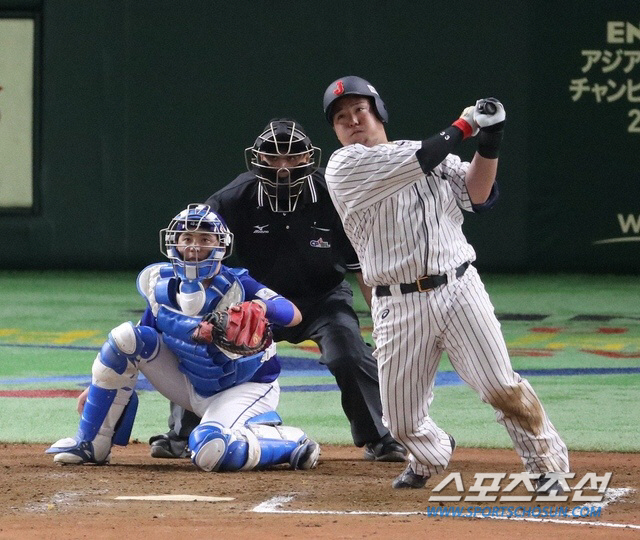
(320, 243)
(339, 89)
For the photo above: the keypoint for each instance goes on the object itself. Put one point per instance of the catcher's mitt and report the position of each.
(243, 329)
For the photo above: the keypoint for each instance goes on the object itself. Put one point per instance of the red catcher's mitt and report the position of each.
(243, 329)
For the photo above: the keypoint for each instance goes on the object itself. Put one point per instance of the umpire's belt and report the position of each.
(423, 284)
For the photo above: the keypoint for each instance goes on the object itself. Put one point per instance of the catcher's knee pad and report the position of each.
(215, 448)
(128, 342)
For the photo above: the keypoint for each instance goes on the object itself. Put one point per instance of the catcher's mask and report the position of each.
(353, 86)
(283, 158)
(197, 219)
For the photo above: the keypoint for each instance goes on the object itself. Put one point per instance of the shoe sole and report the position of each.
(67, 458)
(160, 452)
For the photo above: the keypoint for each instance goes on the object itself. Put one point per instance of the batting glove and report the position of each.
(489, 113)
(467, 122)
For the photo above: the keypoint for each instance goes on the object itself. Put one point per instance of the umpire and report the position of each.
(289, 236)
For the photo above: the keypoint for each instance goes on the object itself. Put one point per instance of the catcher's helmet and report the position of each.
(281, 182)
(352, 85)
(196, 219)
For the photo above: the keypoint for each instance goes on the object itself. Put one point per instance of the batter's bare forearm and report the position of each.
(480, 178)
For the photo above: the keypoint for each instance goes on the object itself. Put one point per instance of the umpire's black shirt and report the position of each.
(302, 255)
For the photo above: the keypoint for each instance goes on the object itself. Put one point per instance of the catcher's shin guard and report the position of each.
(255, 446)
(107, 418)
(279, 444)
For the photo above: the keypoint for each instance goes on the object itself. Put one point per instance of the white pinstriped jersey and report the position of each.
(402, 223)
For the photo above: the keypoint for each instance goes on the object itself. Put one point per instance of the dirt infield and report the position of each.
(345, 497)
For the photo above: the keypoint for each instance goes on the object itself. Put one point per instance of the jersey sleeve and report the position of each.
(214, 202)
(359, 176)
(346, 250)
(454, 170)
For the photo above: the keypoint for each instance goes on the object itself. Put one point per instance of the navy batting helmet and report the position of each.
(352, 85)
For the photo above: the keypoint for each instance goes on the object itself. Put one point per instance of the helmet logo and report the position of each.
(372, 90)
(339, 89)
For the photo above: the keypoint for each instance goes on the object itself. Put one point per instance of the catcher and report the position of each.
(204, 342)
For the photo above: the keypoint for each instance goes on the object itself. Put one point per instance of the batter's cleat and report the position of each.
(547, 485)
(305, 456)
(412, 480)
(409, 479)
(386, 449)
(70, 451)
(168, 445)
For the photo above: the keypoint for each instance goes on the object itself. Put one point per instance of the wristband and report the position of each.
(489, 143)
(464, 126)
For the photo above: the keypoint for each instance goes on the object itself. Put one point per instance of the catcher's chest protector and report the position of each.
(208, 369)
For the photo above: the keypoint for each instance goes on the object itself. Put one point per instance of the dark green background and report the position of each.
(143, 107)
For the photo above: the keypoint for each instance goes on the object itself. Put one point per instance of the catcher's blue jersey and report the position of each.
(209, 370)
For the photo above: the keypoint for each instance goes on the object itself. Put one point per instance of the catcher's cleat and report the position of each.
(386, 449)
(169, 446)
(305, 456)
(548, 485)
(70, 451)
(409, 479)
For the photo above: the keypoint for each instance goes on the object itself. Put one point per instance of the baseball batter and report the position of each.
(235, 394)
(400, 203)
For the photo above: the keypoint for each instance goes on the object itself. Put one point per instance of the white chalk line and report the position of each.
(274, 506)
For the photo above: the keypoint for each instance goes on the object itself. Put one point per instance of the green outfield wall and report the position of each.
(141, 107)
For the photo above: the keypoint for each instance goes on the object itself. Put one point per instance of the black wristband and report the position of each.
(489, 143)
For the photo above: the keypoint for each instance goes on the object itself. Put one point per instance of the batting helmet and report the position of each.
(352, 85)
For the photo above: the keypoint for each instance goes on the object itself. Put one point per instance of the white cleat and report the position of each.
(70, 451)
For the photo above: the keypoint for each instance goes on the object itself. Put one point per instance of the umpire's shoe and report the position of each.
(169, 445)
(386, 449)
(413, 480)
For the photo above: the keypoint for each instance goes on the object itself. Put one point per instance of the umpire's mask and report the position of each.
(282, 158)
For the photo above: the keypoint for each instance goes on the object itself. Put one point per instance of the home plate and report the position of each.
(184, 498)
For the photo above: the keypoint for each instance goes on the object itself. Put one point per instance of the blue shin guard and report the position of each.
(101, 412)
(255, 446)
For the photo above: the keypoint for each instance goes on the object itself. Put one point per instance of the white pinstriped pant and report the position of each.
(412, 330)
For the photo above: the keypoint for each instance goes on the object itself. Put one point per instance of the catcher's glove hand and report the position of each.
(243, 329)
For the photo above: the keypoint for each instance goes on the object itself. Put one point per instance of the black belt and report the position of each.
(424, 284)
